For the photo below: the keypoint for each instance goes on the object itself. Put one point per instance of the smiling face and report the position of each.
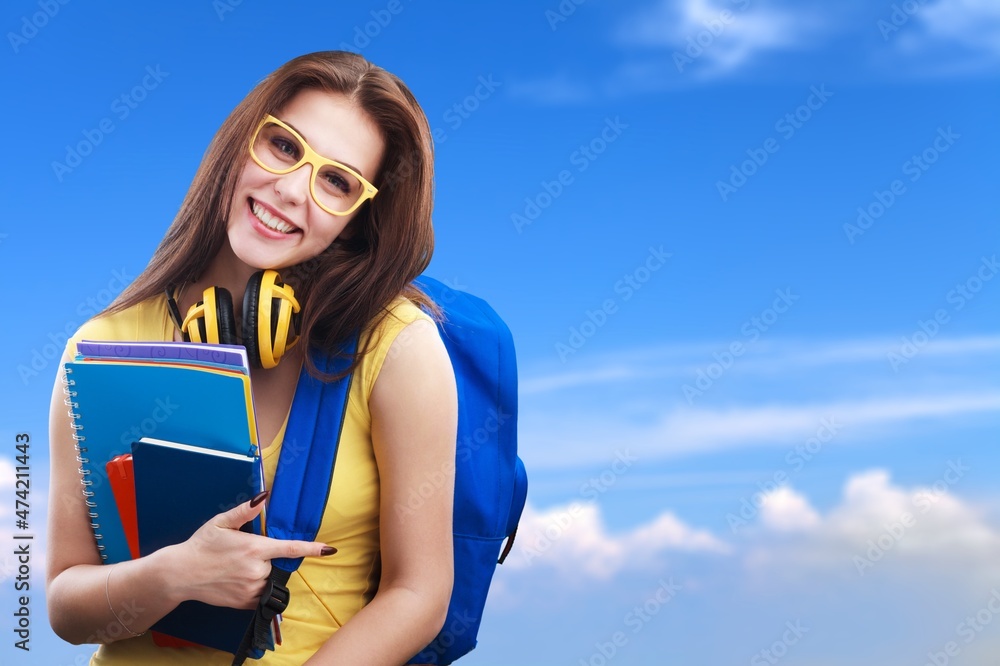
(274, 222)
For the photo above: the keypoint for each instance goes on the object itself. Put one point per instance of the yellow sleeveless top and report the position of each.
(325, 591)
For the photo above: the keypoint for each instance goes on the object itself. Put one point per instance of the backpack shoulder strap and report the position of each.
(302, 481)
(304, 474)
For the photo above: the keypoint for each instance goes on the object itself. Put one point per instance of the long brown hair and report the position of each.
(385, 246)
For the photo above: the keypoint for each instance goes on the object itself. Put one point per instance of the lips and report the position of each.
(268, 222)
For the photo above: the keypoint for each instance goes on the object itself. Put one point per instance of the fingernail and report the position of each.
(327, 550)
(259, 498)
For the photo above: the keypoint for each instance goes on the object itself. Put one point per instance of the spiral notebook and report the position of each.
(119, 398)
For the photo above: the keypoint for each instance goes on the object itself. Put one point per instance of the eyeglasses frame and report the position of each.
(317, 161)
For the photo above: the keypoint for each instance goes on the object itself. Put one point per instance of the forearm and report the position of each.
(140, 592)
(397, 624)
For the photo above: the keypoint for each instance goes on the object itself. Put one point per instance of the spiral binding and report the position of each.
(84, 461)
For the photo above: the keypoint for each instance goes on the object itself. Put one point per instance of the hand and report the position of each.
(222, 566)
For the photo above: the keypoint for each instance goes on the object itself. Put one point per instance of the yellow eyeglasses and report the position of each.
(279, 149)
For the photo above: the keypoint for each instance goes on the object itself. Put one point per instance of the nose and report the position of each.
(293, 187)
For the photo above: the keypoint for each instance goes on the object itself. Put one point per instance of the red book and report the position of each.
(122, 479)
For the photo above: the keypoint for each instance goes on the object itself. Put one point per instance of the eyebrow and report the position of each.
(302, 134)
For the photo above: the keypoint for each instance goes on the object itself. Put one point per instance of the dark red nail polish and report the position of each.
(328, 550)
(259, 498)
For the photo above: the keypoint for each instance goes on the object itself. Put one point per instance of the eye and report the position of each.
(285, 147)
(337, 181)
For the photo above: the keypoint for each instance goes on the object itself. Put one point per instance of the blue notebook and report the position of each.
(178, 488)
(114, 403)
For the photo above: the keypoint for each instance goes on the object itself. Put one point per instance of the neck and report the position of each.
(226, 271)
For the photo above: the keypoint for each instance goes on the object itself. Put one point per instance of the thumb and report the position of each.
(243, 513)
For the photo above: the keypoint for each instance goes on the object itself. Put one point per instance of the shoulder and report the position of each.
(404, 328)
(142, 321)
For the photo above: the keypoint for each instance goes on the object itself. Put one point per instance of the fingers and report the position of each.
(273, 548)
(241, 513)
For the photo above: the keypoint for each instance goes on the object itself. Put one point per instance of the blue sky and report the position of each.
(746, 249)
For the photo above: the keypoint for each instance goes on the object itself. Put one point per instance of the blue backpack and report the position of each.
(490, 480)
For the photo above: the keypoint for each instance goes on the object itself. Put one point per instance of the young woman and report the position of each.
(323, 172)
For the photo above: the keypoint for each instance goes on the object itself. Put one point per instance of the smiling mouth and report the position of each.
(270, 221)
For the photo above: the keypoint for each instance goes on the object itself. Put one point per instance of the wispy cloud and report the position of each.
(672, 44)
(712, 37)
(680, 361)
(548, 439)
(778, 393)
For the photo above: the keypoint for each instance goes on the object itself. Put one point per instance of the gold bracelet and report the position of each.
(107, 595)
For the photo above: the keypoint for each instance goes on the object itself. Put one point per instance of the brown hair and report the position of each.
(388, 243)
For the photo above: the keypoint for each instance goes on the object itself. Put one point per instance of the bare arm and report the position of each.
(212, 566)
(414, 408)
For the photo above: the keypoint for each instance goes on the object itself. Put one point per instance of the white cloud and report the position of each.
(764, 357)
(973, 24)
(785, 510)
(548, 437)
(573, 540)
(718, 37)
(777, 394)
(878, 527)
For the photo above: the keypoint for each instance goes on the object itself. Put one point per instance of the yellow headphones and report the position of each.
(268, 331)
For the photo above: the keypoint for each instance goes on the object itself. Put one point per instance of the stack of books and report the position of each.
(167, 439)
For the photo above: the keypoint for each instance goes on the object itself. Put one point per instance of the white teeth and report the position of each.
(271, 222)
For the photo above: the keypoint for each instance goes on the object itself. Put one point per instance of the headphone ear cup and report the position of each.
(251, 302)
(225, 317)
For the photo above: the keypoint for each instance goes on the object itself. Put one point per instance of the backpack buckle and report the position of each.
(274, 600)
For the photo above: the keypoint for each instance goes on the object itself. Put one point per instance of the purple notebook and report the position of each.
(233, 356)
